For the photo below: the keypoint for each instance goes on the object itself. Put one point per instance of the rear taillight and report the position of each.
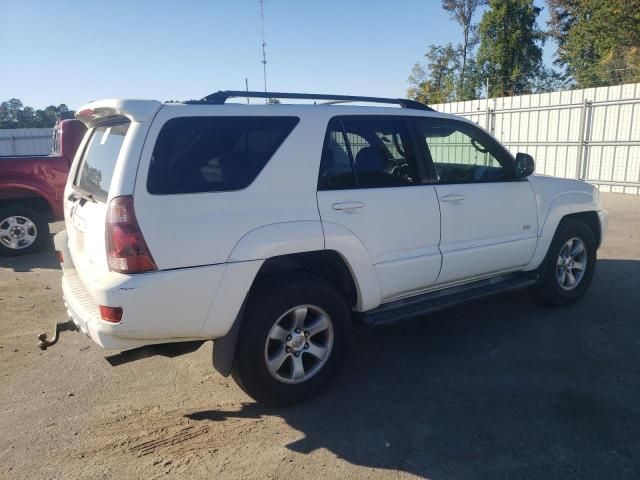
(127, 252)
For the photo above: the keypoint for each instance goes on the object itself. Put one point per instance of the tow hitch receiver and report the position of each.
(44, 343)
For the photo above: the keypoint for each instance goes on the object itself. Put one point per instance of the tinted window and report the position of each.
(212, 154)
(462, 154)
(336, 171)
(99, 159)
(368, 152)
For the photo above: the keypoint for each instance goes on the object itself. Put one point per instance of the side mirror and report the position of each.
(525, 165)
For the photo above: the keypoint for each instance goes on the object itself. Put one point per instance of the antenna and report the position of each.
(264, 53)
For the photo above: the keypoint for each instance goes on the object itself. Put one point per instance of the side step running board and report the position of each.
(426, 303)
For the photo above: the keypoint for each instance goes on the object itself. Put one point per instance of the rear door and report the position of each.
(489, 218)
(86, 202)
(372, 183)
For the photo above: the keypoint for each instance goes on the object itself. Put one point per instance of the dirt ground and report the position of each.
(497, 389)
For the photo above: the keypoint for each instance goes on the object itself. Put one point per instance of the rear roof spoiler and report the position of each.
(134, 110)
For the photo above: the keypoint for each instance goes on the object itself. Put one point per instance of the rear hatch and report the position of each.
(87, 197)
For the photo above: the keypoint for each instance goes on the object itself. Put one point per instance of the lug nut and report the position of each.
(306, 345)
(297, 330)
(306, 334)
(297, 354)
(288, 337)
(288, 350)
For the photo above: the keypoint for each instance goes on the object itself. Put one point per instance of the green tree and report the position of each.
(510, 53)
(13, 114)
(462, 11)
(437, 83)
(598, 41)
(549, 80)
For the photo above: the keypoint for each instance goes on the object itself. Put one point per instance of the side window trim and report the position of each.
(352, 161)
(494, 148)
(423, 155)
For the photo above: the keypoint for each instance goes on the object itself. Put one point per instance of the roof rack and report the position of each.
(220, 97)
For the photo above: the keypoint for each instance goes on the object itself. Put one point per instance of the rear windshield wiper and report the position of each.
(82, 195)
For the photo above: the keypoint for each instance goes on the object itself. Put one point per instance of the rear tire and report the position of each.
(23, 230)
(568, 268)
(279, 364)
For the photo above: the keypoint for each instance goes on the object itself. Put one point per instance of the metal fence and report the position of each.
(25, 141)
(591, 134)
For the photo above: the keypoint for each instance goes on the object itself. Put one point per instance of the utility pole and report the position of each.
(246, 86)
(264, 53)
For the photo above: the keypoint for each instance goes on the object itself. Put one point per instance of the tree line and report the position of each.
(14, 114)
(598, 44)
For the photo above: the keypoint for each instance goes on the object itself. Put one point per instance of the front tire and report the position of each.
(568, 268)
(293, 338)
(23, 230)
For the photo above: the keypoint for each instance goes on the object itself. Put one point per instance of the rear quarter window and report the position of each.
(214, 154)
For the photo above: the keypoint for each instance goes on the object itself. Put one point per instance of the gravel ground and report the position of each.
(501, 388)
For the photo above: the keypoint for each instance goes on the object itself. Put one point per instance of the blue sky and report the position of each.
(65, 51)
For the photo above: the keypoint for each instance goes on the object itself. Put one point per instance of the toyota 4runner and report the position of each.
(271, 229)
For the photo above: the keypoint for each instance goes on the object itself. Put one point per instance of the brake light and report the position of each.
(127, 251)
(111, 314)
(60, 256)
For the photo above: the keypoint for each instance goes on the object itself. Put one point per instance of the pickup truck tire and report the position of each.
(569, 265)
(23, 230)
(292, 340)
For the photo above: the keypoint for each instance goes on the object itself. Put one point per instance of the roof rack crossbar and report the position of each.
(220, 97)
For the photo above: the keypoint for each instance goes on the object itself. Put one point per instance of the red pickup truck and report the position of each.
(32, 189)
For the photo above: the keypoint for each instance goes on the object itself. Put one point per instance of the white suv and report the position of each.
(272, 229)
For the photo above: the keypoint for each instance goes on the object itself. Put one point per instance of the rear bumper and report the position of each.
(85, 313)
(199, 303)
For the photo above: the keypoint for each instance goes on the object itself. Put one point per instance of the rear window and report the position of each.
(213, 154)
(99, 159)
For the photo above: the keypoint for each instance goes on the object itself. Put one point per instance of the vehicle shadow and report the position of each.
(500, 388)
(26, 263)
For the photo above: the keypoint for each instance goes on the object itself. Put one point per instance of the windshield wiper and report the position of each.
(86, 196)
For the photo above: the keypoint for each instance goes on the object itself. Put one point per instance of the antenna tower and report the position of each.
(264, 44)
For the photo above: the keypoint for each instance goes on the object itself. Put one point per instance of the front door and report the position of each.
(489, 218)
(372, 184)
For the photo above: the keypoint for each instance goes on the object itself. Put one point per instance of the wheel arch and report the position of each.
(27, 197)
(329, 265)
(326, 264)
(578, 205)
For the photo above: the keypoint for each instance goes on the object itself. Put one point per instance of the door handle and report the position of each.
(347, 206)
(452, 198)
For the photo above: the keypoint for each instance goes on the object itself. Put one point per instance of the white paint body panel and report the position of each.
(556, 198)
(400, 229)
(491, 229)
(210, 246)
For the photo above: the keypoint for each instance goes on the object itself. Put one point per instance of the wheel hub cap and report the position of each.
(572, 263)
(17, 232)
(299, 344)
